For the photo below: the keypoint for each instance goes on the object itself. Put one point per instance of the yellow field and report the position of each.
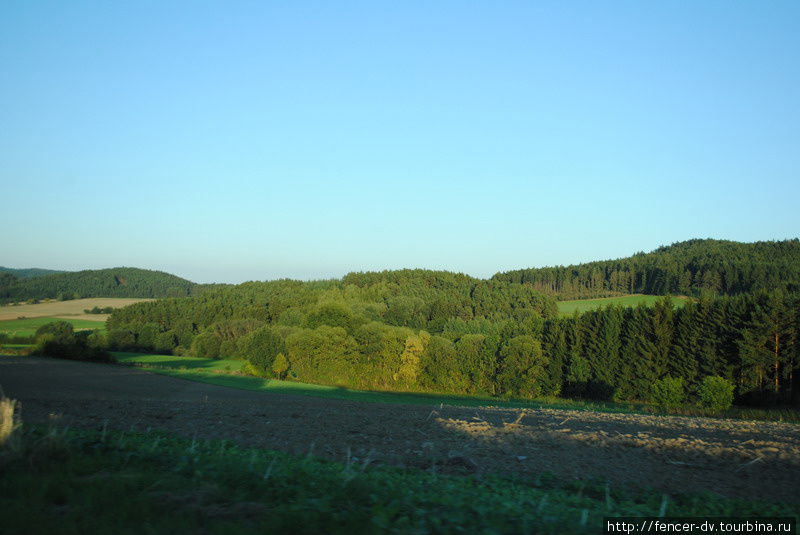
(66, 309)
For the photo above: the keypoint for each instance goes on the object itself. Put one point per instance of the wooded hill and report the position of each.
(26, 273)
(114, 282)
(685, 268)
(443, 332)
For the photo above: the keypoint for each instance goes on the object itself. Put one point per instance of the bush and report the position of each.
(78, 348)
(260, 348)
(166, 342)
(121, 339)
(58, 330)
(716, 393)
(668, 393)
(205, 345)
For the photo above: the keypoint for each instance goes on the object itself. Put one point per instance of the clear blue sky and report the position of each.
(234, 141)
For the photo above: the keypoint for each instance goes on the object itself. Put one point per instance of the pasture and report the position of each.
(65, 309)
(567, 308)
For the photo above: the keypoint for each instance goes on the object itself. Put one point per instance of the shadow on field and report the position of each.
(670, 454)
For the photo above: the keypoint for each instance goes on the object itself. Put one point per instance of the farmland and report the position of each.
(567, 308)
(334, 461)
(65, 309)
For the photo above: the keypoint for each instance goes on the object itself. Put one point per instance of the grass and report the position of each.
(28, 326)
(7, 423)
(85, 482)
(567, 308)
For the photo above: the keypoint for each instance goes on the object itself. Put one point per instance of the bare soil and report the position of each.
(671, 454)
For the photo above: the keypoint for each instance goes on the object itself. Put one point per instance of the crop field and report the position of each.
(28, 326)
(70, 309)
(260, 461)
(567, 308)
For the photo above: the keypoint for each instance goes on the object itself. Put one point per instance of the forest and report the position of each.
(685, 268)
(114, 282)
(434, 331)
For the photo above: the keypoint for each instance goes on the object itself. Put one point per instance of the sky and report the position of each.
(232, 141)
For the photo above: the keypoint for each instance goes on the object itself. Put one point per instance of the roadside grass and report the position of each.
(567, 308)
(98, 481)
(227, 372)
(28, 326)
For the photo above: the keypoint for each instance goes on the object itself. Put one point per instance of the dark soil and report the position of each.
(672, 454)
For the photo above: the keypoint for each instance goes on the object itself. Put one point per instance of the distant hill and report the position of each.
(114, 282)
(29, 273)
(689, 267)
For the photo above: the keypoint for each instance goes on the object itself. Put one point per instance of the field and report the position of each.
(69, 309)
(275, 458)
(226, 372)
(28, 326)
(567, 308)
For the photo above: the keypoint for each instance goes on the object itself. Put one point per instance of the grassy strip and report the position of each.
(83, 482)
(28, 326)
(567, 308)
(226, 372)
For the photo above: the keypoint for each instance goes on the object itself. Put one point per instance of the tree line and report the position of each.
(685, 268)
(444, 332)
(115, 282)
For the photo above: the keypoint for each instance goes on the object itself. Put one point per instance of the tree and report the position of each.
(410, 360)
(522, 367)
(280, 366)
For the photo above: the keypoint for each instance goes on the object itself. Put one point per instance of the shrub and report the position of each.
(7, 422)
(165, 342)
(78, 348)
(280, 366)
(260, 348)
(716, 393)
(58, 330)
(205, 345)
(121, 339)
(668, 393)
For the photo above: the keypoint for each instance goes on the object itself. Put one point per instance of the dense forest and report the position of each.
(115, 282)
(444, 332)
(685, 268)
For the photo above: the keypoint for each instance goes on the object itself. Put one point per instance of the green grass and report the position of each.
(28, 326)
(567, 308)
(86, 482)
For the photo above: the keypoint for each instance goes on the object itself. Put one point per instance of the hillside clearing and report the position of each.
(567, 308)
(28, 326)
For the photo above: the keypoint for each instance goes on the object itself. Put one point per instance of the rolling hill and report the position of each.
(113, 282)
(688, 268)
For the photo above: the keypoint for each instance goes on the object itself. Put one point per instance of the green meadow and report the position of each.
(28, 326)
(567, 308)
